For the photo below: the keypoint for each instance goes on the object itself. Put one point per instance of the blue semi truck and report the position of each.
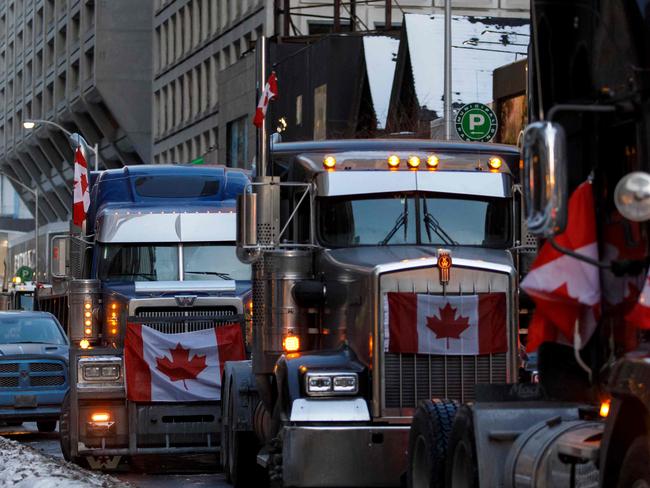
(154, 290)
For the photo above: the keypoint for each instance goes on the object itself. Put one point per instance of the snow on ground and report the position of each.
(24, 467)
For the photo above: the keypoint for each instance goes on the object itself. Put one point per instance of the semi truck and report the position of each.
(385, 272)
(155, 262)
(586, 422)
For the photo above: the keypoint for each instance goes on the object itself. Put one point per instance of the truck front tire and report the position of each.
(462, 467)
(428, 439)
(239, 451)
(635, 470)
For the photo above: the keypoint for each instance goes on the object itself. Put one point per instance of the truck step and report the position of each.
(263, 459)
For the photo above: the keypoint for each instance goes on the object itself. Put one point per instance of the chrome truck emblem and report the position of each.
(444, 265)
(185, 300)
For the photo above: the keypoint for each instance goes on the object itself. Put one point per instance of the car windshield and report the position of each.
(412, 218)
(161, 262)
(21, 330)
(213, 261)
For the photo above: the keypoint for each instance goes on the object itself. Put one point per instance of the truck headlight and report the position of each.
(331, 383)
(99, 371)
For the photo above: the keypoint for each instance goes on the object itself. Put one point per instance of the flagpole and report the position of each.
(262, 132)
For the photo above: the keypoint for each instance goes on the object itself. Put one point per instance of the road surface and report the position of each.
(147, 473)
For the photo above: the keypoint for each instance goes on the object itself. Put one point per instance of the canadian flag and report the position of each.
(80, 194)
(436, 324)
(178, 367)
(639, 317)
(270, 92)
(566, 291)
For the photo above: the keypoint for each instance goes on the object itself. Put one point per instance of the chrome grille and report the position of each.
(8, 367)
(47, 380)
(8, 381)
(410, 378)
(179, 320)
(45, 367)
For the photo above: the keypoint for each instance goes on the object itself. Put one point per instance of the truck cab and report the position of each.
(377, 267)
(158, 252)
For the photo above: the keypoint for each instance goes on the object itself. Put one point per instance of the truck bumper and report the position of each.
(344, 455)
(44, 412)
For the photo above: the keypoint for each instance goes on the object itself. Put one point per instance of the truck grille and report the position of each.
(9, 381)
(170, 320)
(8, 367)
(410, 378)
(32, 374)
(47, 380)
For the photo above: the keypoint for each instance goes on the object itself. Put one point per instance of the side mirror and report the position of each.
(247, 228)
(545, 179)
(59, 246)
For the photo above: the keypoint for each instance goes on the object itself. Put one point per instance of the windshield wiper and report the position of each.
(402, 220)
(223, 276)
(432, 224)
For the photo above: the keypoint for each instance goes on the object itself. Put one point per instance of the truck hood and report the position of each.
(129, 289)
(369, 257)
(28, 349)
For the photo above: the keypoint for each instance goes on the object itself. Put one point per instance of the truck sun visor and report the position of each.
(176, 186)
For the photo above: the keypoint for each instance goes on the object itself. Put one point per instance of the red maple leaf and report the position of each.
(448, 325)
(181, 367)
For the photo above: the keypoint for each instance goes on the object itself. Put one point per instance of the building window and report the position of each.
(237, 143)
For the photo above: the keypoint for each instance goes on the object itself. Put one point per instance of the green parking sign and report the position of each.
(476, 122)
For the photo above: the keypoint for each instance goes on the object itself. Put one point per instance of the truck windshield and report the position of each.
(414, 219)
(213, 261)
(160, 262)
(138, 262)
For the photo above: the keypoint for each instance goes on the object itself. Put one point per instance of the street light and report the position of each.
(75, 139)
(33, 191)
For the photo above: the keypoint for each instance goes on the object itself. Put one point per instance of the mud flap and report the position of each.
(103, 462)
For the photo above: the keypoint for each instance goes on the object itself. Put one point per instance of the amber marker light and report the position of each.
(433, 161)
(291, 343)
(604, 408)
(393, 161)
(100, 417)
(329, 162)
(88, 331)
(414, 162)
(495, 163)
(84, 344)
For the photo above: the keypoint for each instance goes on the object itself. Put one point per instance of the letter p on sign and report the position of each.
(476, 120)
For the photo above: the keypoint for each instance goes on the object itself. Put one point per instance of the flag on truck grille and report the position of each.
(566, 291)
(436, 324)
(178, 367)
(80, 194)
(270, 92)
(639, 317)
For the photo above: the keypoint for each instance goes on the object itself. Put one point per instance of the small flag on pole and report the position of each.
(270, 92)
(81, 196)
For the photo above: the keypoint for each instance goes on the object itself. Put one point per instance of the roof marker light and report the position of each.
(329, 162)
(495, 163)
(414, 162)
(393, 161)
(433, 161)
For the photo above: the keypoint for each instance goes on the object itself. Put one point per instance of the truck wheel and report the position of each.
(64, 433)
(635, 471)
(46, 425)
(428, 443)
(462, 468)
(240, 453)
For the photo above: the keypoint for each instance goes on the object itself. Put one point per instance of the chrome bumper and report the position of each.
(344, 455)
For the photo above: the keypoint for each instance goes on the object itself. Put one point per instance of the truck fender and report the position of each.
(289, 372)
(238, 387)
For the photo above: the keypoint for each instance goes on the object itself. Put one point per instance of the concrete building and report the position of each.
(204, 70)
(85, 65)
